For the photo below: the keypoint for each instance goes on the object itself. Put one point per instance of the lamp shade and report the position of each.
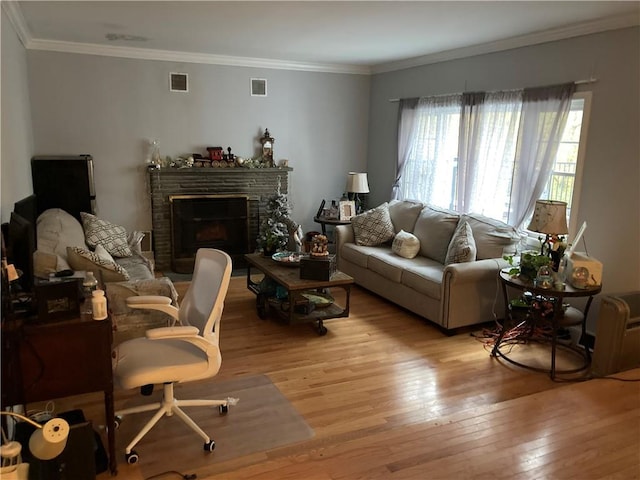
(550, 217)
(49, 441)
(357, 183)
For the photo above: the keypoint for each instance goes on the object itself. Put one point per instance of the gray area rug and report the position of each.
(262, 420)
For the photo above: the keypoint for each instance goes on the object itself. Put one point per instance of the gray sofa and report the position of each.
(64, 243)
(451, 281)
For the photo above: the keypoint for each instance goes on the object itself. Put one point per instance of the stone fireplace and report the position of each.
(210, 207)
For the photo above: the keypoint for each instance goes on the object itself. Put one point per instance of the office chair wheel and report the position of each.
(224, 409)
(209, 446)
(132, 458)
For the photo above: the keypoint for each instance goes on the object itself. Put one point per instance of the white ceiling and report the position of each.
(349, 36)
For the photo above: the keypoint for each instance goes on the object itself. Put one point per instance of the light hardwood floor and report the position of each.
(391, 397)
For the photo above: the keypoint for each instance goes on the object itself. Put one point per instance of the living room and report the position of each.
(325, 123)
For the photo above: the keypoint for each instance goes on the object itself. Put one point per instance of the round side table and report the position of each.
(560, 318)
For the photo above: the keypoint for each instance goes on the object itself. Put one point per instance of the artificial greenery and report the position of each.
(274, 234)
(529, 264)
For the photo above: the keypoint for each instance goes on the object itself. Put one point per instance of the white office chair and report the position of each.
(182, 353)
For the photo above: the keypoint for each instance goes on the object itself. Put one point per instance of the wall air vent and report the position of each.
(178, 82)
(258, 87)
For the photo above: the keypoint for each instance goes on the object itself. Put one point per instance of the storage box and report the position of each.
(579, 259)
(58, 299)
(318, 268)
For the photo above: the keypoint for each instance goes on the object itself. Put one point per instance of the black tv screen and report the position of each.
(21, 244)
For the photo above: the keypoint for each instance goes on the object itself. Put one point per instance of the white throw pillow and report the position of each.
(101, 232)
(373, 227)
(405, 244)
(462, 247)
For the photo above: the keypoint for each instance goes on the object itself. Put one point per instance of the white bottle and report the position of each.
(99, 304)
(89, 285)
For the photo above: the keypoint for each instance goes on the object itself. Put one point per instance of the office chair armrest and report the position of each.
(154, 302)
(172, 332)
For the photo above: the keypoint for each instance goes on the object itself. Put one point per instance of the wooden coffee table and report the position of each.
(293, 307)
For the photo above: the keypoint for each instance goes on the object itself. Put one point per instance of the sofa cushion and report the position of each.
(357, 254)
(405, 244)
(373, 227)
(424, 275)
(101, 232)
(493, 238)
(462, 247)
(434, 228)
(385, 263)
(404, 214)
(56, 230)
(104, 269)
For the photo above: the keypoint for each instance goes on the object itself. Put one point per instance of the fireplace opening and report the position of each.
(208, 221)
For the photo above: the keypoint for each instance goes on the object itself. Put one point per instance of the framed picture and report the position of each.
(58, 300)
(347, 209)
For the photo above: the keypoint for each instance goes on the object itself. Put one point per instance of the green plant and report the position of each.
(529, 264)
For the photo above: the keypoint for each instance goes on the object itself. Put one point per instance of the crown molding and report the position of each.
(12, 9)
(579, 29)
(185, 57)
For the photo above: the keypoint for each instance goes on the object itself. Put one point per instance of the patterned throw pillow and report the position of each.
(100, 232)
(373, 227)
(405, 244)
(462, 247)
(105, 269)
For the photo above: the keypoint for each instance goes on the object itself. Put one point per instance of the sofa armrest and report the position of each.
(471, 272)
(343, 234)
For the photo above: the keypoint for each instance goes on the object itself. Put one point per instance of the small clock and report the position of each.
(267, 142)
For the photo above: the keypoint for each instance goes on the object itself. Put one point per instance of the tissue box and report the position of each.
(581, 259)
(321, 268)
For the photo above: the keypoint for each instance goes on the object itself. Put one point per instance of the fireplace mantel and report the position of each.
(256, 183)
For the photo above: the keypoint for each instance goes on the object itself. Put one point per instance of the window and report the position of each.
(564, 184)
(464, 157)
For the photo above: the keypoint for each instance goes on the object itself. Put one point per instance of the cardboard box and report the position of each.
(318, 268)
(580, 259)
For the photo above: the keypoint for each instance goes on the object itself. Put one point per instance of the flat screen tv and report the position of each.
(21, 243)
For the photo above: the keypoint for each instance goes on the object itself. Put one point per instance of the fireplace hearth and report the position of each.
(207, 221)
(207, 226)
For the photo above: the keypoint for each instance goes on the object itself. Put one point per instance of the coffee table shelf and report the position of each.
(289, 278)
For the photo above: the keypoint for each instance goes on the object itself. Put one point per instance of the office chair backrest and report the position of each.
(204, 301)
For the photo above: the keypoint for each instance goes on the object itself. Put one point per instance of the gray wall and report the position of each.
(610, 198)
(110, 108)
(17, 140)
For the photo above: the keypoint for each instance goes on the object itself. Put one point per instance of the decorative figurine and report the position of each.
(267, 142)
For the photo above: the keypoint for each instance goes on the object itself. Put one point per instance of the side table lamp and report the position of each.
(46, 442)
(550, 218)
(357, 183)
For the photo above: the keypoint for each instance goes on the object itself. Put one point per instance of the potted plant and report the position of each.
(528, 265)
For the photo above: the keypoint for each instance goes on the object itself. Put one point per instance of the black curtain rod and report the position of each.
(577, 82)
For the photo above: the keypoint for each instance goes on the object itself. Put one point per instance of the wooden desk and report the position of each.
(44, 361)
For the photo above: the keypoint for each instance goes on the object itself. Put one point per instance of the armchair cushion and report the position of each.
(462, 247)
(373, 227)
(405, 244)
(101, 232)
(100, 263)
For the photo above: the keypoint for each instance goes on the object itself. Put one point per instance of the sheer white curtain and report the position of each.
(406, 133)
(544, 116)
(429, 171)
(488, 137)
